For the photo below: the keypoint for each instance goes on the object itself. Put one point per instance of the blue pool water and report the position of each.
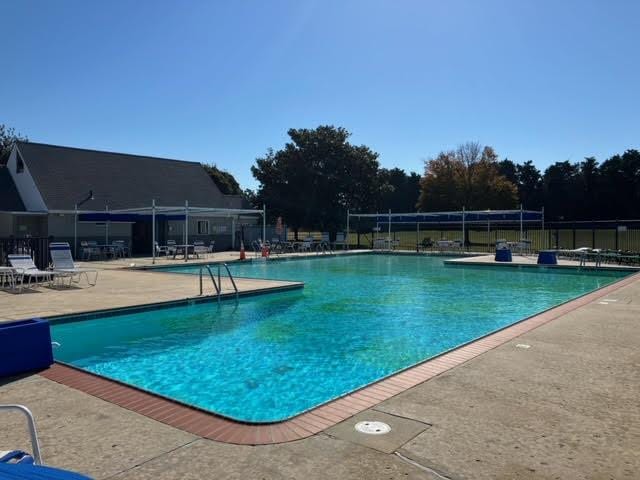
(359, 318)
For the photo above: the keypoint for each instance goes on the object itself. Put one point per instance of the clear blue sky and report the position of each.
(220, 82)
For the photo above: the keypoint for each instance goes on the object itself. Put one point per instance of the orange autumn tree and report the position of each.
(466, 177)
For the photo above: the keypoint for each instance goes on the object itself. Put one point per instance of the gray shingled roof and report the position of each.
(65, 175)
(10, 200)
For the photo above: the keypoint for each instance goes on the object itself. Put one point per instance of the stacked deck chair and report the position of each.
(63, 263)
(31, 275)
(19, 465)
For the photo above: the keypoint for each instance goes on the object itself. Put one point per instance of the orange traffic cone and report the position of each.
(243, 256)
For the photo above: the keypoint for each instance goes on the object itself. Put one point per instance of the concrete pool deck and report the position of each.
(565, 407)
(117, 288)
(532, 261)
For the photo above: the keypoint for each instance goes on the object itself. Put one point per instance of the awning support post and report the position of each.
(464, 243)
(521, 222)
(264, 222)
(75, 232)
(543, 243)
(186, 230)
(106, 226)
(390, 244)
(346, 237)
(153, 230)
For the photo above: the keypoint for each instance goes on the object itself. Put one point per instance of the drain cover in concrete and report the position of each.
(398, 430)
(373, 428)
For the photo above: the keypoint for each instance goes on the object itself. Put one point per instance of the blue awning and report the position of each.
(457, 217)
(125, 217)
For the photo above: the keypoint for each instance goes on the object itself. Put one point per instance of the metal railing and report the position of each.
(36, 247)
(218, 285)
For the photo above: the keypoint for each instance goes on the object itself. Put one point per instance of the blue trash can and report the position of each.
(25, 345)
(547, 257)
(503, 255)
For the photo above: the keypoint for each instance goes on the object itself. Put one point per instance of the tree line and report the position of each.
(318, 175)
(585, 190)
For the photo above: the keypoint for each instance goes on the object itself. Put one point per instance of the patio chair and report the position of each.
(171, 247)
(25, 267)
(63, 262)
(121, 249)
(90, 250)
(306, 244)
(161, 250)
(9, 278)
(16, 464)
(340, 240)
(199, 248)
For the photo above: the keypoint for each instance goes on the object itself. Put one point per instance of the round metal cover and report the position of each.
(373, 428)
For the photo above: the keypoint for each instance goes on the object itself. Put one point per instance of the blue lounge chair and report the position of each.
(19, 465)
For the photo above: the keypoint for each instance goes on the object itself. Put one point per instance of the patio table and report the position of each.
(184, 250)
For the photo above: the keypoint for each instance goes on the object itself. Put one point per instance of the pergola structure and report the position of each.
(154, 212)
(461, 217)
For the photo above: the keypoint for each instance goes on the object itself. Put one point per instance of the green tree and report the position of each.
(467, 177)
(529, 181)
(316, 177)
(397, 190)
(619, 178)
(8, 137)
(508, 170)
(225, 181)
(561, 187)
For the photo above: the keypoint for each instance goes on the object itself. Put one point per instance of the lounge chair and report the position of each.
(63, 262)
(16, 464)
(24, 265)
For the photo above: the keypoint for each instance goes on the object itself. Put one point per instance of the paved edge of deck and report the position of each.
(214, 427)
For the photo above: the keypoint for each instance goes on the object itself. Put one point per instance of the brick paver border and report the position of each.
(214, 427)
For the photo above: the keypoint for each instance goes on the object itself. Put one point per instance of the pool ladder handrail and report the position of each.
(31, 425)
(218, 285)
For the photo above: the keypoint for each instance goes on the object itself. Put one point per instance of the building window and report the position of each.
(19, 163)
(203, 227)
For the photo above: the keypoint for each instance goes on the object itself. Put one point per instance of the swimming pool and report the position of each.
(358, 319)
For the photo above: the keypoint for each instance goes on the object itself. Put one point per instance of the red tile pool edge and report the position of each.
(214, 427)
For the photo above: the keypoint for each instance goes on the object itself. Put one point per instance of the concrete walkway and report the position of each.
(559, 402)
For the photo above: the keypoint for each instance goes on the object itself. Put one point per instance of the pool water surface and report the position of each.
(358, 319)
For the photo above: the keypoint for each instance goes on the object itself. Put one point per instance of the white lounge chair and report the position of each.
(63, 263)
(24, 265)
